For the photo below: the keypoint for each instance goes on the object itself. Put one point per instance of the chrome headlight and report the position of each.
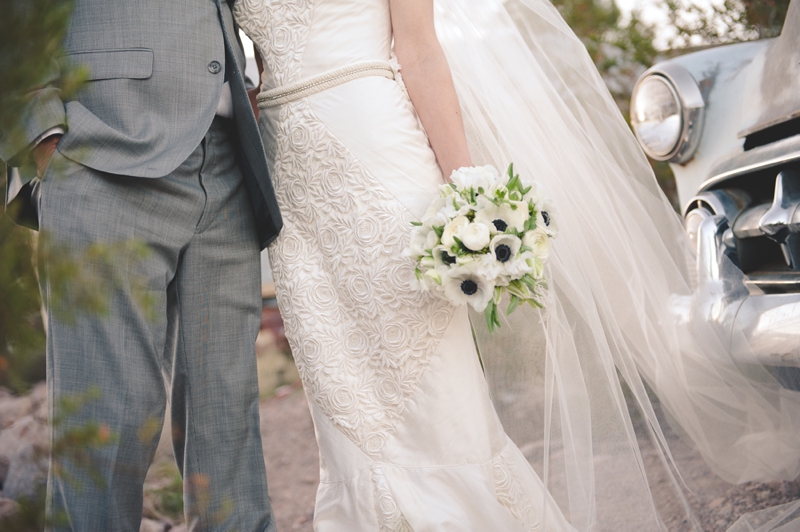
(667, 113)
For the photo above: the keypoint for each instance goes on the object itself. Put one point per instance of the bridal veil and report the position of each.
(563, 379)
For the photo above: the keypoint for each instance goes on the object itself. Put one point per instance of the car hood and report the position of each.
(774, 80)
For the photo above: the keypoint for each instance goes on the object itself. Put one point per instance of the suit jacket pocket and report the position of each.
(128, 63)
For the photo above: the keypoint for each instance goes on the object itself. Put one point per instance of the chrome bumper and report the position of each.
(725, 298)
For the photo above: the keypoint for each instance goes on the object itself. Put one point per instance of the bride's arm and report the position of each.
(429, 82)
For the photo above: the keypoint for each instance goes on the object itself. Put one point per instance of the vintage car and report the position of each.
(727, 119)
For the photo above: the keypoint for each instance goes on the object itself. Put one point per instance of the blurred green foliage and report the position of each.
(703, 24)
(30, 37)
(22, 341)
(168, 500)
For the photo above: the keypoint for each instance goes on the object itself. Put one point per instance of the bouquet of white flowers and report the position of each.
(486, 234)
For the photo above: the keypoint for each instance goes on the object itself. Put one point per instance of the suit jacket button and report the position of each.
(215, 67)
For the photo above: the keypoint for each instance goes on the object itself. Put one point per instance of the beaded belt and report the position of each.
(326, 80)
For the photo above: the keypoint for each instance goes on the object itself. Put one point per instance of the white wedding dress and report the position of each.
(408, 436)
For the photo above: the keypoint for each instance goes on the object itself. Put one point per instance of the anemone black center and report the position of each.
(448, 258)
(469, 287)
(500, 225)
(546, 218)
(502, 252)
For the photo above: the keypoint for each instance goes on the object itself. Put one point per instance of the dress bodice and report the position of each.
(301, 38)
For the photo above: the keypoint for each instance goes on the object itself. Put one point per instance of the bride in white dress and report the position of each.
(409, 437)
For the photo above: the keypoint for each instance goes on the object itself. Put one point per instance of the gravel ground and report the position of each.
(291, 454)
(292, 469)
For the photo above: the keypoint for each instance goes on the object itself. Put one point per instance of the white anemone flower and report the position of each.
(453, 229)
(475, 236)
(539, 241)
(443, 259)
(504, 248)
(547, 215)
(501, 217)
(465, 285)
(485, 177)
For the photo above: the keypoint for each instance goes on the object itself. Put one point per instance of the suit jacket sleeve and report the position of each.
(43, 110)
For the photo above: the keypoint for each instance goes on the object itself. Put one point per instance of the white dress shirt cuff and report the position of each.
(49, 133)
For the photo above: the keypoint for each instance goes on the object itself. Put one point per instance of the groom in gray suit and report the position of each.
(160, 149)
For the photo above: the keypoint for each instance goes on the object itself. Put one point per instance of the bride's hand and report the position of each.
(429, 82)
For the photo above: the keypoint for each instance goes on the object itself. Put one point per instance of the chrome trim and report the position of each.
(781, 222)
(784, 214)
(775, 282)
(690, 97)
(746, 224)
(768, 322)
(761, 158)
(726, 202)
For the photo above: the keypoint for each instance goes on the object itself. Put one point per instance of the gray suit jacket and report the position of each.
(156, 70)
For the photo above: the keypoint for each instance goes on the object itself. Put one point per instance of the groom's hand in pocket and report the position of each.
(43, 151)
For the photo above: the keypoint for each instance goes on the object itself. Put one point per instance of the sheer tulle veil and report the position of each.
(563, 379)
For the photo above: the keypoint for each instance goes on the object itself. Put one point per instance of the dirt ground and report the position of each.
(291, 456)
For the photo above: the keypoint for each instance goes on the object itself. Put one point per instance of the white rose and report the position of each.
(475, 236)
(453, 229)
(539, 241)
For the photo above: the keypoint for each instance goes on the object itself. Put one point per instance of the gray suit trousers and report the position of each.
(180, 325)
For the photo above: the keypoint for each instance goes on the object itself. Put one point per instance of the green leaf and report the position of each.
(512, 306)
(489, 317)
(416, 224)
(528, 280)
(535, 304)
(438, 231)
